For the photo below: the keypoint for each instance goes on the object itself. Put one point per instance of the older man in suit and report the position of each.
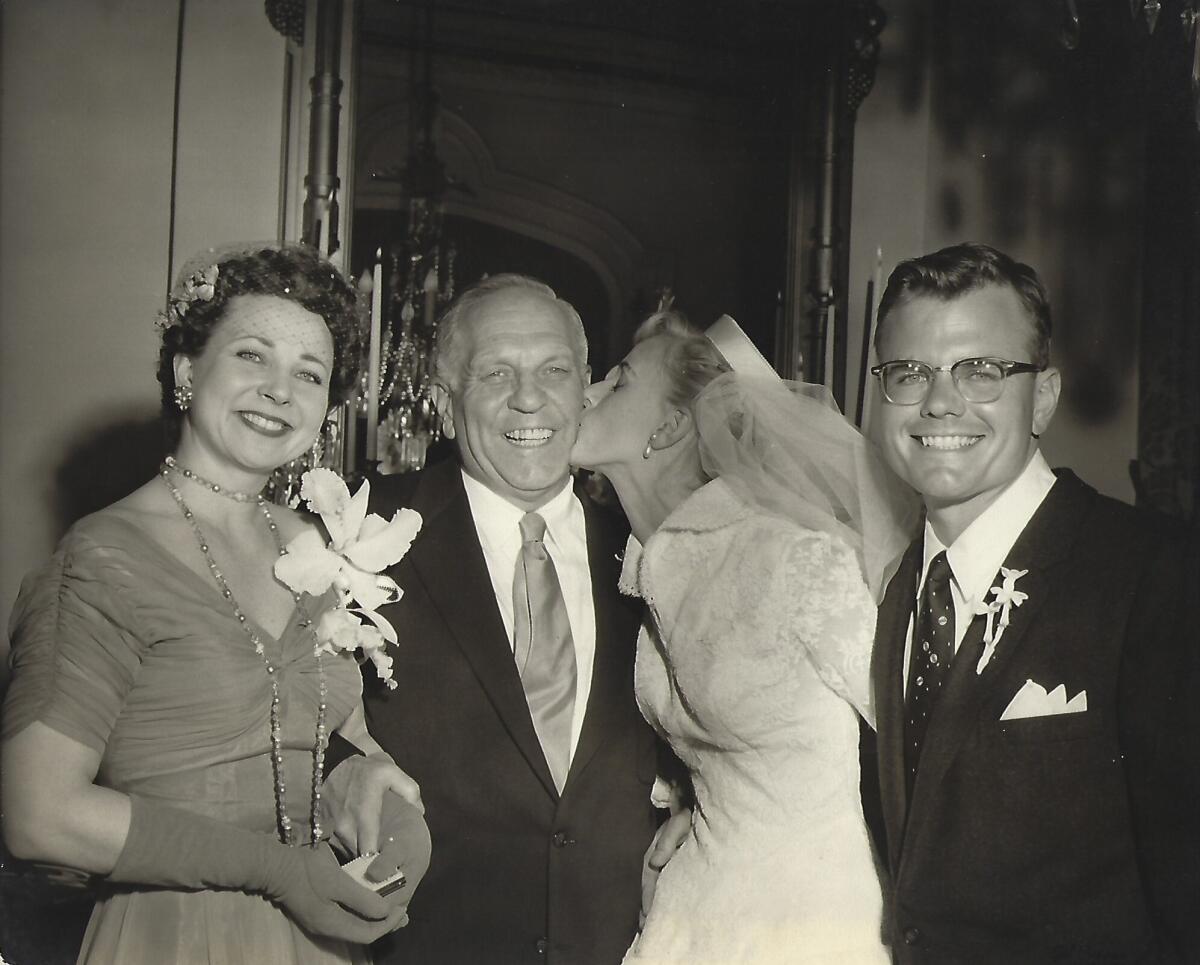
(1036, 655)
(514, 709)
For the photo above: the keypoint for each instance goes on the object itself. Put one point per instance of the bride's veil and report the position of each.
(785, 448)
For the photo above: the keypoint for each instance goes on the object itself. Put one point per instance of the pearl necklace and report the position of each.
(233, 494)
(284, 821)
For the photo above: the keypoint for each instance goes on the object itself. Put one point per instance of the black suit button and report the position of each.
(542, 944)
(912, 936)
(561, 839)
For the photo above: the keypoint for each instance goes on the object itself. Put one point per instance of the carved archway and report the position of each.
(482, 192)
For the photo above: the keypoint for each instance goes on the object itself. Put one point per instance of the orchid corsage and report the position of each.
(999, 612)
(361, 545)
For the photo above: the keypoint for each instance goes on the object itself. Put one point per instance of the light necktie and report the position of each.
(929, 661)
(543, 649)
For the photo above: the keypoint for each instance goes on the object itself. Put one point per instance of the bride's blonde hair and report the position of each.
(690, 360)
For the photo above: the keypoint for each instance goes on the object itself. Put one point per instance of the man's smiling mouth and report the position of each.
(529, 438)
(947, 443)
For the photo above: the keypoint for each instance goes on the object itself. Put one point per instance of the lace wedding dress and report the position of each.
(751, 665)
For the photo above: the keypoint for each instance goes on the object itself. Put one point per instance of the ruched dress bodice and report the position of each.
(123, 648)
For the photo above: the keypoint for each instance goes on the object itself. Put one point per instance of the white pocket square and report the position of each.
(1032, 700)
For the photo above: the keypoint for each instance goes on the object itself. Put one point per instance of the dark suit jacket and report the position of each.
(518, 874)
(1072, 838)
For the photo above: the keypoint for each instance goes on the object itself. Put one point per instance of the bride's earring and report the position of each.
(649, 447)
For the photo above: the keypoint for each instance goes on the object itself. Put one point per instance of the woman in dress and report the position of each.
(169, 709)
(759, 517)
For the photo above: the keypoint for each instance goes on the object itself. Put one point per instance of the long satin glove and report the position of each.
(405, 846)
(172, 848)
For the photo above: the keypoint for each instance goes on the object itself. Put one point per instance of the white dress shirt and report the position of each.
(497, 522)
(976, 556)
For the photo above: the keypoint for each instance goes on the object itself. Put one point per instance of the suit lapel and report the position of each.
(616, 628)
(1043, 545)
(1042, 548)
(449, 561)
(887, 674)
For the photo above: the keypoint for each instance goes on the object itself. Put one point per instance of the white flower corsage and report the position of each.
(199, 286)
(360, 547)
(999, 612)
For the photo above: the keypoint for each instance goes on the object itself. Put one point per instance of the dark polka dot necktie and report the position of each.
(929, 661)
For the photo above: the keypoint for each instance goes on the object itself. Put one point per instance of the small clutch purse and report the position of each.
(405, 850)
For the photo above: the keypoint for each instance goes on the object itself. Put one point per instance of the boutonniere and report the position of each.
(361, 545)
(999, 612)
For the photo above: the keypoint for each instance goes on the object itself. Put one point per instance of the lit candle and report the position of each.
(430, 297)
(349, 434)
(878, 277)
(830, 335)
(373, 358)
(868, 390)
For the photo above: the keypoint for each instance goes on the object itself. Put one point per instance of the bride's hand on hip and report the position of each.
(667, 841)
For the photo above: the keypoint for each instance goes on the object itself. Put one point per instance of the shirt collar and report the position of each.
(976, 556)
(499, 520)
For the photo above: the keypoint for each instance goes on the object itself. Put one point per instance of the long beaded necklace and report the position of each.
(284, 821)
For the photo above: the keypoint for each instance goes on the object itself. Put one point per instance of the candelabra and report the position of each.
(417, 274)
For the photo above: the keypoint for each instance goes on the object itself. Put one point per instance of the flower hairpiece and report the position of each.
(360, 547)
(999, 612)
(200, 285)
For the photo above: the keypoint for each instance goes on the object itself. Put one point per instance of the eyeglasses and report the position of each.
(908, 382)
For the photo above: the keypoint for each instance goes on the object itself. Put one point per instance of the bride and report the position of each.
(762, 527)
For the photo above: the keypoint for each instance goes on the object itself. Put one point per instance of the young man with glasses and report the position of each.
(1036, 655)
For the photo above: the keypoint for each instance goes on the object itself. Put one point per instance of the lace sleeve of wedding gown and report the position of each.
(830, 613)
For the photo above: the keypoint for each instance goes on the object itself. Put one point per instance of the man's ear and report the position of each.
(443, 401)
(182, 365)
(1045, 399)
(676, 427)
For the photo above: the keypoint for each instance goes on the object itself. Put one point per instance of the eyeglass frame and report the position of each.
(1007, 367)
